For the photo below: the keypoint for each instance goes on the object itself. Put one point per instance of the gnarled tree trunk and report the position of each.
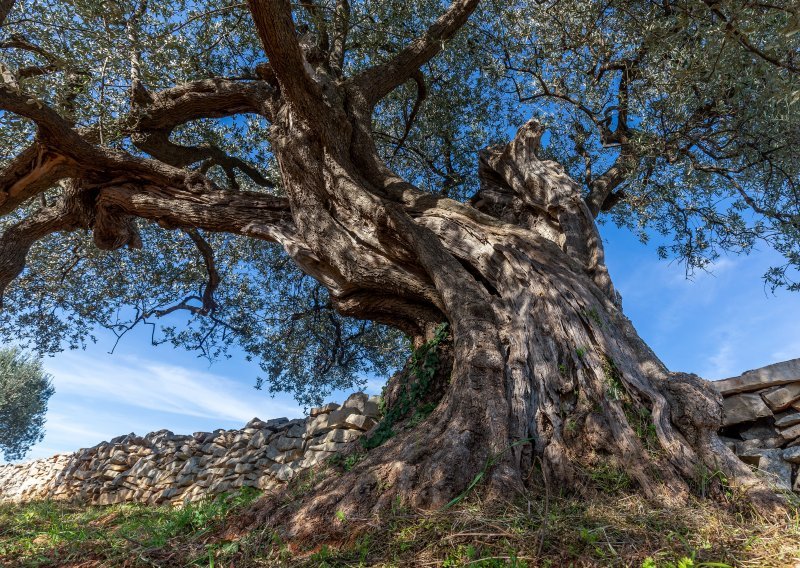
(546, 369)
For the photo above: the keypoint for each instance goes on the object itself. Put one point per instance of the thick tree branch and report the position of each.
(600, 188)
(273, 19)
(341, 27)
(5, 9)
(33, 171)
(244, 213)
(378, 81)
(68, 214)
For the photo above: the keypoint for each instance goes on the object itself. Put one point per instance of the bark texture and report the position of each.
(543, 372)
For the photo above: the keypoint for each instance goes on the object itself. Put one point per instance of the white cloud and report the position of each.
(161, 387)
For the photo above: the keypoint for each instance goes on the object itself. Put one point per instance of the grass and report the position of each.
(615, 528)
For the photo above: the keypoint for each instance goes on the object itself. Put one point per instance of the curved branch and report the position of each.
(601, 187)
(422, 93)
(68, 214)
(33, 171)
(378, 81)
(273, 19)
(209, 304)
(243, 213)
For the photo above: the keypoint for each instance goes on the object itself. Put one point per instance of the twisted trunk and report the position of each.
(545, 370)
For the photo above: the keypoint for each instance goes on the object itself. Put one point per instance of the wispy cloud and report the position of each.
(161, 387)
(99, 397)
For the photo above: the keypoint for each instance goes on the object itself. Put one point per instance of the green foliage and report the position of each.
(706, 135)
(615, 390)
(417, 381)
(24, 391)
(346, 462)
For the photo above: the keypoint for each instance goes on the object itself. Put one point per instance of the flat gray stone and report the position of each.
(759, 432)
(744, 446)
(777, 471)
(792, 455)
(789, 419)
(757, 379)
(743, 408)
(782, 397)
(790, 433)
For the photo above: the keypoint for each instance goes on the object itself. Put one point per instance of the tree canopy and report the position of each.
(24, 391)
(678, 117)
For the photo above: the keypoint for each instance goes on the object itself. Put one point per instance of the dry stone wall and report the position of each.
(761, 425)
(761, 422)
(163, 467)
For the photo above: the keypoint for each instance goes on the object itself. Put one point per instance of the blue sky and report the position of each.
(717, 324)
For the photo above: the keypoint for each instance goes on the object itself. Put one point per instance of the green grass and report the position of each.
(618, 529)
(51, 533)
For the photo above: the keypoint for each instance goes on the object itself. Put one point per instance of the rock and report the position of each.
(330, 407)
(360, 421)
(259, 439)
(788, 419)
(255, 423)
(356, 401)
(243, 468)
(777, 471)
(781, 398)
(284, 444)
(328, 447)
(296, 431)
(765, 377)
(326, 422)
(373, 407)
(792, 455)
(744, 446)
(214, 449)
(759, 432)
(743, 408)
(791, 432)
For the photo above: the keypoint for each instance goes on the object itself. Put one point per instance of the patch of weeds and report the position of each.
(421, 372)
(641, 420)
(610, 478)
(614, 387)
(580, 352)
(48, 533)
(593, 315)
(307, 479)
(346, 462)
(708, 481)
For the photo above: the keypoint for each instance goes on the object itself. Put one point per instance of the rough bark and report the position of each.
(544, 369)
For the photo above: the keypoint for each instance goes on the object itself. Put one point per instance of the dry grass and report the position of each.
(609, 529)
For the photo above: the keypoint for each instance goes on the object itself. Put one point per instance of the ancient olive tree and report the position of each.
(209, 151)
(24, 391)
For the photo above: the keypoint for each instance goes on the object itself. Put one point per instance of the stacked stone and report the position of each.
(164, 467)
(761, 421)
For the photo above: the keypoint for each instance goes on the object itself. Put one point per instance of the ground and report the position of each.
(607, 525)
